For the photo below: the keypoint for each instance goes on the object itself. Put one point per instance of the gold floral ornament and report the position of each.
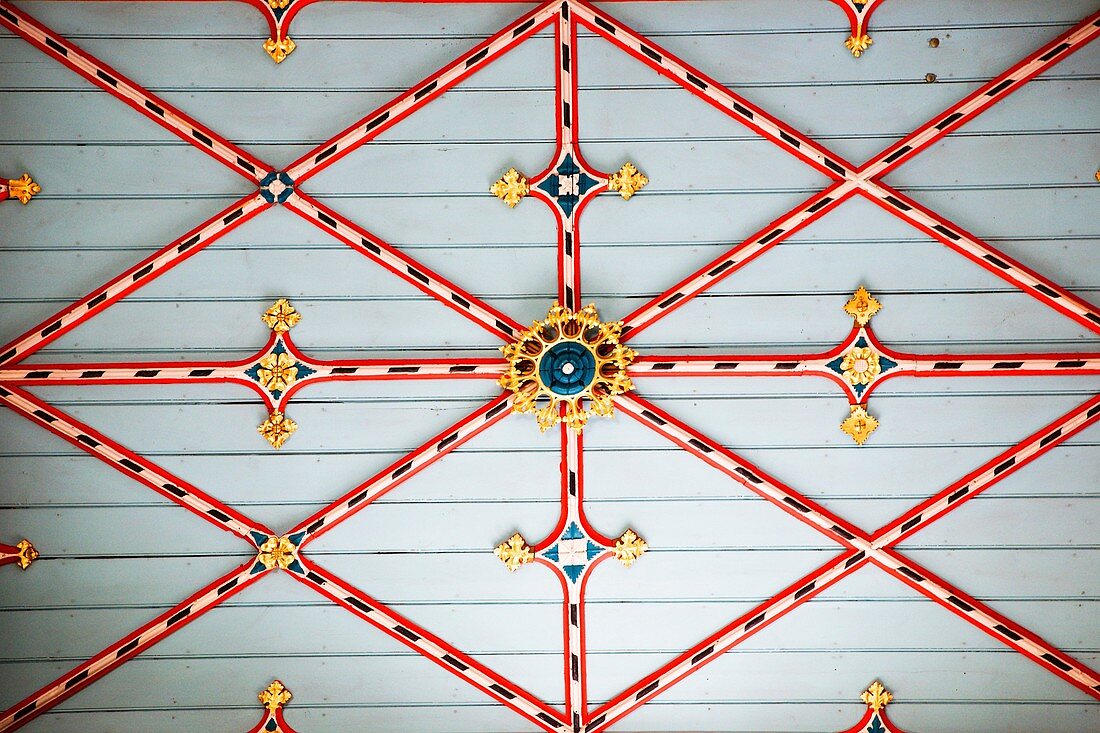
(278, 50)
(281, 317)
(514, 552)
(275, 696)
(859, 424)
(281, 4)
(862, 306)
(27, 554)
(277, 372)
(858, 44)
(23, 189)
(510, 188)
(629, 548)
(277, 429)
(860, 366)
(627, 181)
(876, 697)
(571, 363)
(277, 552)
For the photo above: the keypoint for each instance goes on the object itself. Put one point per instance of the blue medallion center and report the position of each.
(567, 368)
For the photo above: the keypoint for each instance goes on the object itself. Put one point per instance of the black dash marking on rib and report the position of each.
(574, 614)
(426, 89)
(403, 370)
(703, 654)
(233, 215)
(403, 469)
(344, 370)
(127, 649)
(51, 328)
(1004, 466)
(1050, 438)
(324, 154)
(173, 489)
(544, 717)
(790, 139)
(520, 30)
(202, 138)
(447, 441)
(749, 474)
(911, 523)
(1091, 316)
(948, 365)
(460, 368)
(662, 366)
(565, 117)
(843, 532)
(720, 268)
(647, 689)
(218, 514)
(948, 120)
(565, 57)
(496, 410)
(143, 272)
(946, 232)
(326, 219)
(504, 327)
(771, 235)
(188, 244)
(1054, 52)
(854, 559)
(1092, 411)
(37, 375)
(568, 294)
(7, 355)
(1047, 291)
(371, 246)
(57, 46)
(201, 372)
(315, 526)
(670, 300)
(477, 57)
(796, 504)
(696, 80)
(649, 52)
(804, 590)
(898, 203)
(999, 88)
(315, 578)
(575, 667)
(97, 300)
(652, 418)
(565, 11)
(605, 25)
(90, 442)
(742, 110)
(460, 300)
(179, 617)
(906, 571)
(455, 663)
(26, 711)
(572, 483)
(502, 692)
(756, 621)
(786, 365)
(378, 120)
(77, 679)
(245, 164)
(820, 204)
(960, 603)
(356, 499)
(147, 373)
(1008, 632)
(358, 604)
(726, 365)
(110, 79)
(958, 495)
(131, 465)
(701, 445)
(44, 416)
(897, 154)
(832, 164)
(1008, 365)
(1057, 662)
(997, 262)
(596, 722)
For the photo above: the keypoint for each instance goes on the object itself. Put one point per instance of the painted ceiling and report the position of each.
(325, 413)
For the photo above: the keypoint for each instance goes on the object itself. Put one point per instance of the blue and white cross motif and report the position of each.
(567, 184)
(573, 552)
